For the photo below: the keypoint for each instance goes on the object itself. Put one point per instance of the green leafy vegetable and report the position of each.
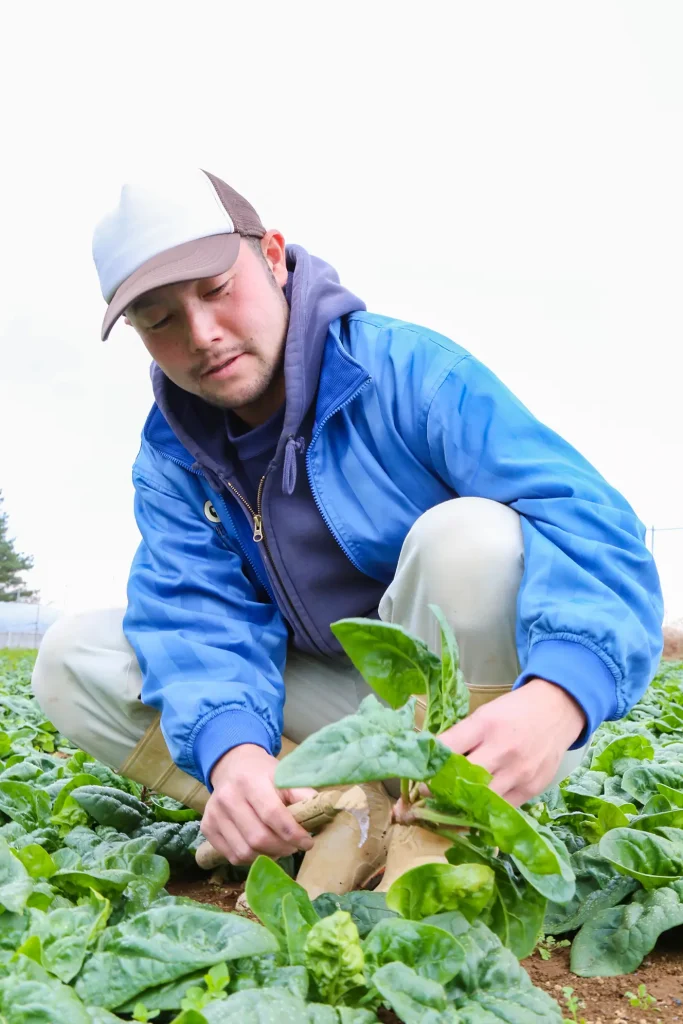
(416, 1000)
(334, 957)
(616, 940)
(375, 743)
(653, 860)
(112, 807)
(163, 944)
(282, 905)
(430, 951)
(434, 888)
(366, 908)
(396, 665)
(449, 698)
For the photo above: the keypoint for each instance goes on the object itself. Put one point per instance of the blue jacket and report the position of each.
(405, 419)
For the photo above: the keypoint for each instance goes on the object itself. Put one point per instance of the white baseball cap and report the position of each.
(174, 227)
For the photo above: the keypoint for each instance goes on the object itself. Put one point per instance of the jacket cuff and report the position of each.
(581, 673)
(221, 733)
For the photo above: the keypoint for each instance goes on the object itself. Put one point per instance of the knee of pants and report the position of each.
(467, 544)
(51, 675)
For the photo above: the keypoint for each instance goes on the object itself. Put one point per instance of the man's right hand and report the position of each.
(246, 815)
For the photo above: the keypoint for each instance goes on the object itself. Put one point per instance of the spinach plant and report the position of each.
(504, 864)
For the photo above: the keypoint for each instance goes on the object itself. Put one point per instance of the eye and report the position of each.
(218, 290)
(159, 324)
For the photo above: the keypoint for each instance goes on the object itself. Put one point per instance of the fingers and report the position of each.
(242, 822)
(465, 736)
(271, 809)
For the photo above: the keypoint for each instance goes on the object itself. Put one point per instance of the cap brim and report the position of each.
(203, 257)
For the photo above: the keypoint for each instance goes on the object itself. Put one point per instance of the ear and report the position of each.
(127, 321)
(273, 248)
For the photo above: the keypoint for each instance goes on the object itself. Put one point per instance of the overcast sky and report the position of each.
(506, 173)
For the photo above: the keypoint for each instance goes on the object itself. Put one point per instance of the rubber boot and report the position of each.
(150, 764)
(409, 847)
(338, 863)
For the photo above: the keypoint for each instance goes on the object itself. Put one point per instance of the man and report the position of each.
(307, 461)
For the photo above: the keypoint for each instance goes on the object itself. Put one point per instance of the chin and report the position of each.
(226, 397)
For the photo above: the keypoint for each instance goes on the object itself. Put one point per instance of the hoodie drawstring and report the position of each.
(292, 448)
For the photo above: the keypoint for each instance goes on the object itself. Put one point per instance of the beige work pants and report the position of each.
(465, 555)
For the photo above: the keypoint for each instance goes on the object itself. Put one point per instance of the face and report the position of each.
(222, 338)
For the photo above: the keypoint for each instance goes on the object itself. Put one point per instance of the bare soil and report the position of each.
(203, 890)
(604, 1000)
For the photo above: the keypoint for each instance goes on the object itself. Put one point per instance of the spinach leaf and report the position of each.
(643, 781)
(176, 841)
(491, 984)
(442, 785)
(282, 905)
(163, 944)
(16, 884)
(66, 934)
(431, 952)
(112, 807)
(366, 908)
(448, 696)
(396, 665)
(616, 940)
(334, 957)
(653, 860)
(165, 808)
(376, 743)
(29, 993)
(625, 746)
(515, 913)
(434, 888)
(416, 1000)
(37, 862)
(540, 858)
(277, 1006)
(24, 803)
(598, 886)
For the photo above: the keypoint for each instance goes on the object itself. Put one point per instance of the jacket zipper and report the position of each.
(256, 516)
(260, 537)
(250, 560)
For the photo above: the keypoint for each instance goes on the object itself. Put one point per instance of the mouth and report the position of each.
(223, 369)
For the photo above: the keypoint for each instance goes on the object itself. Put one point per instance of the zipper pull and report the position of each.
(258, 528)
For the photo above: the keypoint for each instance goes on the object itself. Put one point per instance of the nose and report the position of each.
(203, 328)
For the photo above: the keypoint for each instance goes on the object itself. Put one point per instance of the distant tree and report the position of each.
(12, 564)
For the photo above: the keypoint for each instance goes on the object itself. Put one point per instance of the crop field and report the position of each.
(568, 910)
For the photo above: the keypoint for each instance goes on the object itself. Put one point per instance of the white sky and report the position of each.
(507, 173)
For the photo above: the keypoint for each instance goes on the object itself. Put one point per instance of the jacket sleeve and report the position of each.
(210, 646)
(590, 606)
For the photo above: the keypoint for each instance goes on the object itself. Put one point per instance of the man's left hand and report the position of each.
(520, 738)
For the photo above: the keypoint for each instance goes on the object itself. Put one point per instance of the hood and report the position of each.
(316, 298)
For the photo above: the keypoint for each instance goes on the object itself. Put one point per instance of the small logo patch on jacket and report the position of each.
(210, 513)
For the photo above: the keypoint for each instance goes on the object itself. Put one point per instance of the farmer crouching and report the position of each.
(306, 461)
